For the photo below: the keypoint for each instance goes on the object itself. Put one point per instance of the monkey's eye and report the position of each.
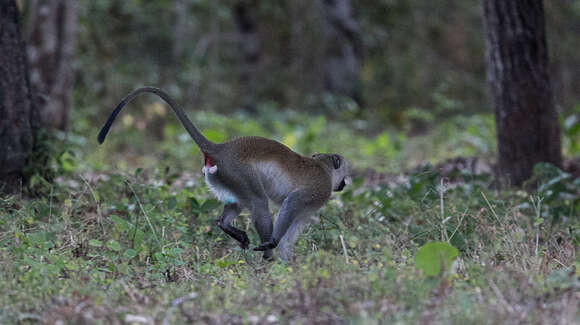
(336, 161)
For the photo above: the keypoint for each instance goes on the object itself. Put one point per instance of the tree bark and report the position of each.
(250, 50)
(343, 50)
(18, 115)
(180, 29)
(52, 27)
(517, 73)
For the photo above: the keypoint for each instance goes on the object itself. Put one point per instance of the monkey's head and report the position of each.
(339, 167)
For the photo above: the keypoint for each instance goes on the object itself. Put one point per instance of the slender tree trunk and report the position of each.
(517, 72)
(52, 27)
(181, 29)
(250, 50)
(343, 50)
(18, 115)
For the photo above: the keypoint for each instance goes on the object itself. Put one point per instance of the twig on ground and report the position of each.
(500, 296)
(490, 207)
(459, 224)
(344, 249)
(97, 203)
(144, 213)
(174, 304)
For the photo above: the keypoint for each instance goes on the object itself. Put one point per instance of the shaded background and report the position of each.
(391, 84)
(387, 69)
(426, 55)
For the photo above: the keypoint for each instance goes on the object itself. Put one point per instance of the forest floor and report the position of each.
(139, 246)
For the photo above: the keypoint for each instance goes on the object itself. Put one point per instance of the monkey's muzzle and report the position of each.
(340, 186)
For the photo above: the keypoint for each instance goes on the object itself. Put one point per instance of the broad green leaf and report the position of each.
(434, 255)
(130, 253)
(159, 256)
(194, 205)
(175, 251)
(95, 243)
(209, 205)
(171, 203)
(113, 245)
(120, 223)
(224, 263)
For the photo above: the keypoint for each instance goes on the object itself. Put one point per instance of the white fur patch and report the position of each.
(212, 170)
(276, 181)
(220, 192)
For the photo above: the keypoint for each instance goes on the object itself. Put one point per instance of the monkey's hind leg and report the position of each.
(263, 224)
(231, 211)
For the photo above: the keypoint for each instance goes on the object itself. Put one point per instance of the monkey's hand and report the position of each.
(267, 245)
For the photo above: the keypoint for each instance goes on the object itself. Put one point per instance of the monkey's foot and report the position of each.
(268, 257)
(267, 245)
(245, 241)
(236, 234)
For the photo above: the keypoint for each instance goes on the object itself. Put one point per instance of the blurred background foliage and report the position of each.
(421, 72)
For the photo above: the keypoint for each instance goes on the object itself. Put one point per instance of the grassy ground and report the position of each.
(107, 243)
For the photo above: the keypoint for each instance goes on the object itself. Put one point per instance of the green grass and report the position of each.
(133, 143)
(98, 245)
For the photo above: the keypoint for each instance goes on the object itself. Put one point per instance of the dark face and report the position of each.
(340, 170)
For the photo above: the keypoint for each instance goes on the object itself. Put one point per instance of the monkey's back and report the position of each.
(280, 169)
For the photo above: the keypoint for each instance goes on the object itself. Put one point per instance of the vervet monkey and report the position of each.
(249, 171)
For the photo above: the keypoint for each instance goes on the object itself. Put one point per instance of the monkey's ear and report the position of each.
(336, 161)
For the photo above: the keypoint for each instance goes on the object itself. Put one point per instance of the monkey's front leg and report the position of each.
(286, 245)
(231, 211)
(294, 206)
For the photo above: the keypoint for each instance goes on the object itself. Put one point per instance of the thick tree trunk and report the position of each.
(52, 27)
(343, 50)
(18, 115)
(517, 72)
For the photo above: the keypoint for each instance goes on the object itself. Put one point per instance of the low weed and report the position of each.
(107, 243)
(108, 247)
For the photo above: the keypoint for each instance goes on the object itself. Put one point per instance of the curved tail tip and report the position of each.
(101, 138)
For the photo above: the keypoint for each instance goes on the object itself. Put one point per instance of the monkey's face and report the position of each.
(340, 170)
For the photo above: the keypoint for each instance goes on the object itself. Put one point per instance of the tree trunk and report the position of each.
(517, 72)
(18, 115)
(250, 50)
(52, 27)
(180, 30)
(343, 50)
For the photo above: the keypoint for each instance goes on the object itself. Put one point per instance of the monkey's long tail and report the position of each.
(204, 144)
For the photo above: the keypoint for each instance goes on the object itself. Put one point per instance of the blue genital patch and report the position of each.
(230, 200)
